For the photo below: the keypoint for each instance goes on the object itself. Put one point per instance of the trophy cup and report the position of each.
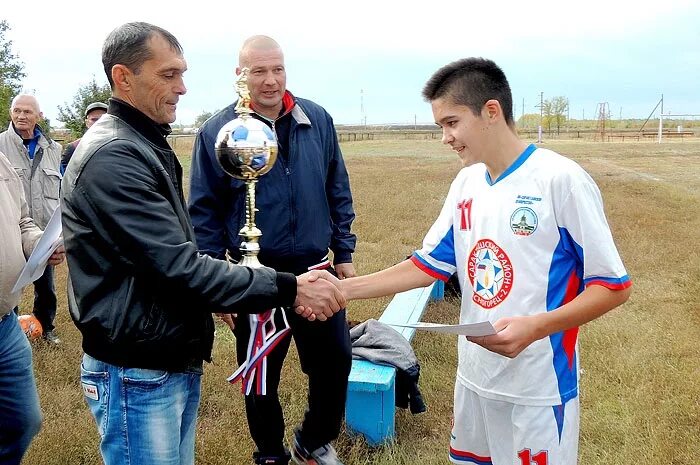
(246, 148)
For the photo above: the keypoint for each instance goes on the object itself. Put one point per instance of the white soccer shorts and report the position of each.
(492, 432)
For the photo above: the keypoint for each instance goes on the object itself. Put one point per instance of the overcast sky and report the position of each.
(378, 54)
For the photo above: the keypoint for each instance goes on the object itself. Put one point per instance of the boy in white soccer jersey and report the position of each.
(524, 229)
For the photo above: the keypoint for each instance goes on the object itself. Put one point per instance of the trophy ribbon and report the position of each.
(264, 337)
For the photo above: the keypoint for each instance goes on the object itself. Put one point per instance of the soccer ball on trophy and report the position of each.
(246, 148)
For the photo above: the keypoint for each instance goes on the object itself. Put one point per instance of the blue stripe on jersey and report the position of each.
(516, 164)
(611, 283)
(444, 252)
(565, 282)
(559, 418)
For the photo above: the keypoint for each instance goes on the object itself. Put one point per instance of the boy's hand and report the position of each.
(513, 335)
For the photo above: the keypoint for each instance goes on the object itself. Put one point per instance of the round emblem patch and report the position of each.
(523, 221)
(490, 273)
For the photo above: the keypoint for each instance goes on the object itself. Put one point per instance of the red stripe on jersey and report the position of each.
(429, 271)
(571, 334)
(469, 456)
(612, 286)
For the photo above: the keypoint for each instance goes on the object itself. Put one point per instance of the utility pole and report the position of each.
(522, 115)
(661, 118)
(362, 108)
(539, 129)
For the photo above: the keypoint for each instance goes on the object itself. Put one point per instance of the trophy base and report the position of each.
(249, 255)
(251, 261)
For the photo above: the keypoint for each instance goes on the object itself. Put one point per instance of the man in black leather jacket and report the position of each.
(140, 293)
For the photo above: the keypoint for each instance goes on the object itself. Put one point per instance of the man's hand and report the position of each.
(345, 270)
(57, 256)
(317, 295)
(513, 335)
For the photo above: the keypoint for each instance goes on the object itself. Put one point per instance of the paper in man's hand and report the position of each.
(45, 246)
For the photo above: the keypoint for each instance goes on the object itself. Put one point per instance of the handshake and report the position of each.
(319, 295)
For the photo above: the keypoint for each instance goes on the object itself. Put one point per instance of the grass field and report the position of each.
(640, 387)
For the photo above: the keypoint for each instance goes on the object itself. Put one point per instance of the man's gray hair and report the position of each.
(32, 97)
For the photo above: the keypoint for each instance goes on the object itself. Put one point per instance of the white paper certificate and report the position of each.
(483, 328)
(45, 246)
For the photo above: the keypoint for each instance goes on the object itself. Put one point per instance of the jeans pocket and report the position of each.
(94, 379)
(144, 378)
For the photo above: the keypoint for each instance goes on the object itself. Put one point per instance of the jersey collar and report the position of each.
(516, 164)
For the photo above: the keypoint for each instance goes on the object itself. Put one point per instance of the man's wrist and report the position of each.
(341, 258)
(286, 288)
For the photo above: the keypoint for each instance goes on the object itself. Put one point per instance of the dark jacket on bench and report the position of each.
(380, 343)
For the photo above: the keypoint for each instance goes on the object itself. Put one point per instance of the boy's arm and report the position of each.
(400, 277)
(516, 333)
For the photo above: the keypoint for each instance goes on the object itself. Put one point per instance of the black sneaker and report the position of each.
(51, 337)
(270, 460)
(324, 455)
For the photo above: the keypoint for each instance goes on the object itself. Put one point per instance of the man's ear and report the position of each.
(238, 70)
(121, 76)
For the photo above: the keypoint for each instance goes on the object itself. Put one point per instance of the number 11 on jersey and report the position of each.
(526, 457)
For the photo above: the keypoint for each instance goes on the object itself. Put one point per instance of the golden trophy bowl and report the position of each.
(246, 148)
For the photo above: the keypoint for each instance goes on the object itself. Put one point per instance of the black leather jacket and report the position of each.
(140, 293)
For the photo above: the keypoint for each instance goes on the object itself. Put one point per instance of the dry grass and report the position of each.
(641, 384)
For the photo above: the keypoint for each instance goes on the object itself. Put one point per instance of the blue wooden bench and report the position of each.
(369, 409)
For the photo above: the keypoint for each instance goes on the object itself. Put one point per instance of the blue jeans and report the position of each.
(20, 415)
(143, 416)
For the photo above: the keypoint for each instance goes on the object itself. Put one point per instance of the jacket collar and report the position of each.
(290, 104)
(41, 141)
(155, 133)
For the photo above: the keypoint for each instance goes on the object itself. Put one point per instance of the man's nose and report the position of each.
(270, 79)
(180, 88)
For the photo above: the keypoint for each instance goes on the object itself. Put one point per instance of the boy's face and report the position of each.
(465, 132)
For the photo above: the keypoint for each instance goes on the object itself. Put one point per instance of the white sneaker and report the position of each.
(324, 455)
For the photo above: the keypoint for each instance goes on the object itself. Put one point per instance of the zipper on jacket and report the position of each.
(288, 173)
(292, 139)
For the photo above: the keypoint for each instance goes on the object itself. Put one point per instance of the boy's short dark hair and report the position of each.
(471, 82)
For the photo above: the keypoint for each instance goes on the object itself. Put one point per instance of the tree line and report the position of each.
(72, 115)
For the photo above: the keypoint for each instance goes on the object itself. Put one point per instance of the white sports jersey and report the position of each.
(522, 245)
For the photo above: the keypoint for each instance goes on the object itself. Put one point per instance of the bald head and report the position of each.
(267, 78)
(24, 100)
(253, 44)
